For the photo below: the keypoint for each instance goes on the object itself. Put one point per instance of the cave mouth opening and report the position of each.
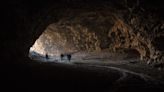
(53, 42)
(49, 46)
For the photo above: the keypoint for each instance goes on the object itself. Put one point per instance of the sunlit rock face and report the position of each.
(52, 43)
(86, 32)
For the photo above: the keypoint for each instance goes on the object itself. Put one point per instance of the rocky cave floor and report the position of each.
(127, 71)
(130, 65)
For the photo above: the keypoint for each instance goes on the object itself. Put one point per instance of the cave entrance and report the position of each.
(60, 39)
(50, 45)
(56, 40)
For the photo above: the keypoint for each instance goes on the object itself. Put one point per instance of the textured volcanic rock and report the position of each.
(141, 39)
(140, 33)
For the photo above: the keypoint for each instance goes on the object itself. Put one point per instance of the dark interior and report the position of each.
(24, 21)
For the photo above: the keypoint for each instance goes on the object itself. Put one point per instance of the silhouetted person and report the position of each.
(69, 57)
(46, 56)
(61, 56)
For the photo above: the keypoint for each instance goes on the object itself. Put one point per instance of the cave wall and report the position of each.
(127, 36)
(134, 25)
(98, 30)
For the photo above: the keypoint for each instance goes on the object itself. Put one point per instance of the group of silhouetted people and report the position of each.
(61, 56)
(68, 56)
